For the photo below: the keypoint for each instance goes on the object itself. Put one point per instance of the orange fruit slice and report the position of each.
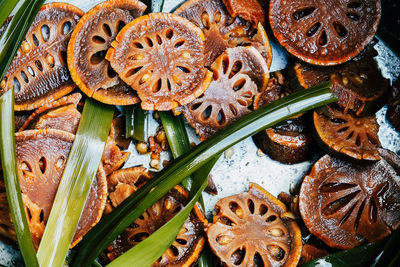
(87, 49)
(250, 10)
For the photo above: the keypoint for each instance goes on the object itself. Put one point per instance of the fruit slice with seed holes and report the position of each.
(254, 229)
(249, 10)
(393, 112)
(41, 158)
(290, 142)
(238, 74)
(349, 135)
(187, 246)
(358, 84)
(347, 204)
(39, 71)
(61, 115)
(324, 32)
(90, 41)
(161, 56)
(220, 29)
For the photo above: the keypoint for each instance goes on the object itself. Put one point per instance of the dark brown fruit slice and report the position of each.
(249, 10)
(311, 252)
(254, 229)
(6, 226)
(393, 112)
(61, 115)
(161, 56)
(20, 118)
(90, 41)
(39, 71)
(324, 32)
(41, 158)
(185, 250)
(347, 204)
(290, 142)
(238, 75)
(349, 135)
(358, 84)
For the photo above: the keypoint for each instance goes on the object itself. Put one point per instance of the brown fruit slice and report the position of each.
(311, 252)
(358, 84)
(90, 41)
(393, 112)
(250, 10)
(161, 56)
(39, 71)
(253, 229)
(6, 226)
(41, 158)
(238, 75)
(61, 114)
(346, 204)
(349, 135)
(324, 32)
(185, 250)
(113, 157)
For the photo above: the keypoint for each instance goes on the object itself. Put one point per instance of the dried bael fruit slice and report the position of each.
(346, 204)
(254, 229)
(41, 158)
(61, 115)
(185, 250)
(161, 56)
(250, 10)
(90, 41)
(324, 32)
(6, 226)
(359, 84)
(393, 112)
(290, 142)
(39, 71)
(349, 135)
(238, 75)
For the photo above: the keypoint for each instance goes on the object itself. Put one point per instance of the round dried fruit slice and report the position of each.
(250, 10)
(393, 112)
(187, 246)
(220, 29)
(39, 71)
(41, 158)
(349, 135)
(254, 229)
(238, 75)
(347, 204)
(90, 41)
(161, 56)
(359, 84)
(324, 32)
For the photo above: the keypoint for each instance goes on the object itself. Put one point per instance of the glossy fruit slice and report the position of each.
(249, 10)
(358, 84)
(393, 112)
(61, 115)
(347, 204)
(349, 135)
(161, 56)
(39, 71)
(220, 29)
(41, 158)
(324, 32)
(185, 250)
(290, 142)
(254, 229)
(238, 75)
(90, 41)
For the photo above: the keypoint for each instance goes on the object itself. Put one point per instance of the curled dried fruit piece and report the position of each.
(161, 56)
(346, 204)
(39, 71)
(358, 84)
(61, 115)
(250, 10)
(324, 32)
(187, 246)
(393, 112)
(349, 135)
(252, 229)
(238, 75)
(90, 41)
(41, 158)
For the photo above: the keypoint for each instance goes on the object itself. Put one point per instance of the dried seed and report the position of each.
(239, 213)
(168, 204)
(229, 153)
(224, 240)
(260, 153)
(50, 59)
(345, 81)
(26, 47)
(276, 232)
(155, 163)
(142, 148)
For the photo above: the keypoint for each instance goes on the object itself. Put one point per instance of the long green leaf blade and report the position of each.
(113, 224)
(78, 176)
(10, 174)
(128, 110)
(6, 6)
(140, 124)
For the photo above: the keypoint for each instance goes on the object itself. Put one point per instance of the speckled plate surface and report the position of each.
(241, 164)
